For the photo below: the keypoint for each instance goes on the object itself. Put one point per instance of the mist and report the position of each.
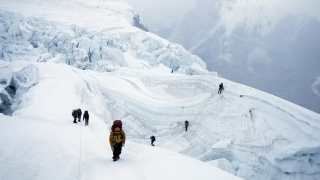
(299, 7)
(293, 39)
(158, 13)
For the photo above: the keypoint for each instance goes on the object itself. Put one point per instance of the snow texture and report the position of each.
(246, 132)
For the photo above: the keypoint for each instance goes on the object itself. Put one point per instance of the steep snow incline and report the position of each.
(40, 141)
(244, 131)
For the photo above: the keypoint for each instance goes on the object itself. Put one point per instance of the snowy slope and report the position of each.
(243, 131)
(41, 142)
(246, 41)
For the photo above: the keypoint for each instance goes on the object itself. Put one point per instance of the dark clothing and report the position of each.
(220, 88)
(79, 113)
(186, 124)
(74, 115)
(153, 139)
(86, 117)
(117, 139)
(117, 150)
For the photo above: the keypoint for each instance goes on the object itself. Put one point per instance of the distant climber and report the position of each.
(171, 70)
(86, 117)
(79, 113)
(220, 88)
(117, 139)
(153, 139)
(186, 124)
(74, 115)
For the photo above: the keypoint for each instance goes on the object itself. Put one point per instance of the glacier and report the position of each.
(50, 66)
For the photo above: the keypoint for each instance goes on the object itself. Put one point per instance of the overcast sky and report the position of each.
(156, 13)
(305, 7)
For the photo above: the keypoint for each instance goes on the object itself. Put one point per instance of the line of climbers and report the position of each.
(117, 137)
(77, 113)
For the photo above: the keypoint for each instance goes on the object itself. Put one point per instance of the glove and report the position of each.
(122, 145)
(112, 148)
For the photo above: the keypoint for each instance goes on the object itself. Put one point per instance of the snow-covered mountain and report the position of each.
(51, 65)
(246, 41)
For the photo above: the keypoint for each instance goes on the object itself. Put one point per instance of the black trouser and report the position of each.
(74, 119)
(186, 128)
(87, 121)
(117, 150)
(152, 141)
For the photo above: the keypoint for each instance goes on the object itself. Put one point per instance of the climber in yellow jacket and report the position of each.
(117, 140)
(186, 124)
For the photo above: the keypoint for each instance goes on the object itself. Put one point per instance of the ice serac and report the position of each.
(96, 35)
(137, 22)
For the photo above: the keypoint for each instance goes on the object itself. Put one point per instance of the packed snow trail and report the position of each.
(33, 148)
(40, 141)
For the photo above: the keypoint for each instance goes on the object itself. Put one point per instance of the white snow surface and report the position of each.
(95, 34)
(39, 140)
(244, 131)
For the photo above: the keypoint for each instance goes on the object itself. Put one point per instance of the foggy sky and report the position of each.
(156, 13)
(302, 7)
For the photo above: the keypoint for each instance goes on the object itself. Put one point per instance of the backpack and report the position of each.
(73, 112)
(79, 111)
(116, 123)
(186, 122)
(153, 138)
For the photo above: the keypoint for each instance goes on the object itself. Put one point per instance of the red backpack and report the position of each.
(116, 123)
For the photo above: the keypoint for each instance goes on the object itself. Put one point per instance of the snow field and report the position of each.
(243, 131)
(120, 72)
(40, 141)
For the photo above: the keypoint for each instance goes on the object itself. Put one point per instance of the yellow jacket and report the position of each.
(186, 124)
(117, 136)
